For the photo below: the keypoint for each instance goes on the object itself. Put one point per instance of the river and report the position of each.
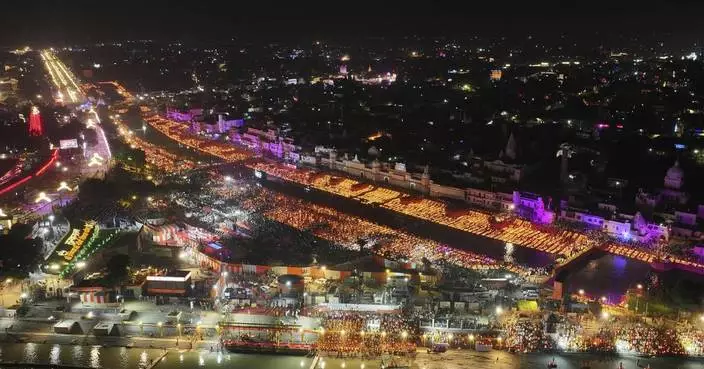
(123, 358)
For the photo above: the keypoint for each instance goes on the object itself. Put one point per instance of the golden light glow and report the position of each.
(64, 186)
(42, 197)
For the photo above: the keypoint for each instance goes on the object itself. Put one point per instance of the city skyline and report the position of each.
(350, 185)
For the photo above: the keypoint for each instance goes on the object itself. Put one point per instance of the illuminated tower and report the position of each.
(35, 122)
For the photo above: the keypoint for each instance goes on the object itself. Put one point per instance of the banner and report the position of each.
(68, 144)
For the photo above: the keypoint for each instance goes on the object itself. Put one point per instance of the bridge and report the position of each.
(658, 262)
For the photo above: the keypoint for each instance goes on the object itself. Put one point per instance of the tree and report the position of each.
(117, 269)
(20, 254)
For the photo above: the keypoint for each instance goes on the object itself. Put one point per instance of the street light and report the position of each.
(499, 310)
(51, 218)
(640, 286)
(581, 292)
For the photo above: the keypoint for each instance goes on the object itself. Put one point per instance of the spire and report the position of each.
(510, 150)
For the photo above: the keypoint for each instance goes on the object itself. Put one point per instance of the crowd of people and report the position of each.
(366, 335)
(527, 335)
(614, 336)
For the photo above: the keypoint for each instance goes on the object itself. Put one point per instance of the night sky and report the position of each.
(78, 21)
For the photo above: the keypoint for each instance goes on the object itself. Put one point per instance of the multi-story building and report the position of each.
(607, 218)
(267, 142)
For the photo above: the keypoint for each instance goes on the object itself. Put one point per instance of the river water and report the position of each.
(123, 358)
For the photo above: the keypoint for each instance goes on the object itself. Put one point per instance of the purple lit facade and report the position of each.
(267, 142)
(179, 116)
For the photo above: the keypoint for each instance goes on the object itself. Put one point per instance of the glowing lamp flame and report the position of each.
(64, 186)
(42, 197)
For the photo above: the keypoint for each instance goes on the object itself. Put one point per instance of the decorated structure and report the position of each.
(35, 122)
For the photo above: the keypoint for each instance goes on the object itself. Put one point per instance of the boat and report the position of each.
(552, 364)
(393, 364)
(254, 347)
(439, 348)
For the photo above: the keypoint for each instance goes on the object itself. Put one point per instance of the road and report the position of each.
(67, 89)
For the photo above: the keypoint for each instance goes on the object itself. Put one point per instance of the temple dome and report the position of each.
(674, 176)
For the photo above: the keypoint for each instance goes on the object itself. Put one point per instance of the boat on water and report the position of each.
(439, 348)
(256, 347)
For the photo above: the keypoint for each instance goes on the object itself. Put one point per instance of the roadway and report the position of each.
(65, 83)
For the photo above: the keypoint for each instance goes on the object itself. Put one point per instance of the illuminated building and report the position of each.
(176, 283)
(35, 122)
(269, 141)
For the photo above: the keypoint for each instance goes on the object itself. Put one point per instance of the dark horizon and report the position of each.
(80, 21)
